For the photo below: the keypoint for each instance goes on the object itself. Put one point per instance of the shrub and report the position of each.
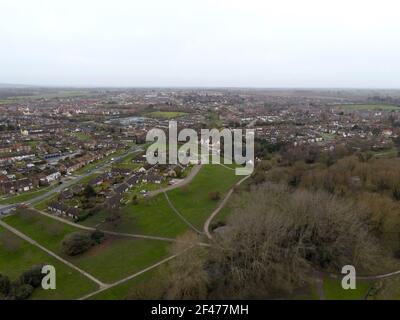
(97, 236)
(4, 284)
(21, 292)
(33, 276)
(76, 243)
(214, 195)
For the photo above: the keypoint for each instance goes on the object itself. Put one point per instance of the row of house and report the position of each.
(16, 186)
(61, 209)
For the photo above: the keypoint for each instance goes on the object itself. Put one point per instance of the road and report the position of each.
(5, 208)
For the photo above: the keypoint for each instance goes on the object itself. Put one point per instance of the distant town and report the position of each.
(76, 187)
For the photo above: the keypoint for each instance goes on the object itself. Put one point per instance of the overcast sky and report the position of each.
(251, 43)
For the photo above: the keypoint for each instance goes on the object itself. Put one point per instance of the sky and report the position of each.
(201, 43)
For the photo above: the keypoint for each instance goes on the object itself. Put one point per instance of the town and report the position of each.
(75, 181)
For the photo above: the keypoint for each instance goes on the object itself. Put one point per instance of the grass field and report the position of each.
(369, 107)
(24, 196)
(152, 217)
(130, 289)
(334, 291)
(17, 256)
(165, 114)
(192, 201)
(116, 258)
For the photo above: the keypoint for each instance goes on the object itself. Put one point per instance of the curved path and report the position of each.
(113, 233)
(220, 206)
(195, 170)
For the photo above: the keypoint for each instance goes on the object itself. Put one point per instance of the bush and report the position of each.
(33, 277)
(97, 236)
(21, 292)
(214, 195)
(76, 243)
(4, 285)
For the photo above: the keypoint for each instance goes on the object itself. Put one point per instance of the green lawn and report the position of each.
(143, 284)
(192, 201)
(24, 196)
(334, 291)
(153, 217)
(121, 257)
(116, 258)
(17, 256)
(165, 114)
(59, 94)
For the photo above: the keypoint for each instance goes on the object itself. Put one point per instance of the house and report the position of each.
(153, 178)
(132, 181)
(51, 176)
(22, 185)
(57, 207)
(114, 201)
(3, 178)
(73, 213)
(121, 171)
(96, 181)
(123, 187)
(67, 194)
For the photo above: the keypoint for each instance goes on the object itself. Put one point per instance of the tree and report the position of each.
(97, 236)
(32, 276)
(274, 242)
(76, 243)
(5, 284)
(135, 200)
(89, 191)
(21, 292)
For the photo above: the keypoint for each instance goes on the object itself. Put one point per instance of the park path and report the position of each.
(319, 285)
(195, 170)
(66, 262)
(180, 215)
(122, 234)
(132, 276)
(219, 208)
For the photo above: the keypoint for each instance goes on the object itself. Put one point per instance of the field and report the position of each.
(334, 291)
(193, 201)
(120, 256)
(17, 256)
(369, 107)
(154, 216)
(165, 114)
(114, 259)
(50, 95)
